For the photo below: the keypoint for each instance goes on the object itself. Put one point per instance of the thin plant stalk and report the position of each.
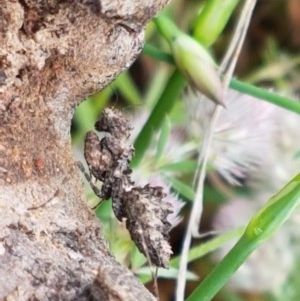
(227, 66)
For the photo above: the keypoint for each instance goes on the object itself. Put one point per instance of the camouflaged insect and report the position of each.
(143, 208)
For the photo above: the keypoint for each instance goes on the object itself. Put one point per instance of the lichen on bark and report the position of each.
(53, 54)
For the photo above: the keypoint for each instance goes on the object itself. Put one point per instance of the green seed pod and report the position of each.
(193, 60)
(197, 65)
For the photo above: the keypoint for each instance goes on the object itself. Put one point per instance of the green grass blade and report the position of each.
(164, 105)
(158, 54)
(207, 31)
(212, 245)
(163, 138)
(260, 228)
(182, 188)
(185, 166)
(263, 94)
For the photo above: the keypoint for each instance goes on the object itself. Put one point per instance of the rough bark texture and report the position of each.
(53, 54)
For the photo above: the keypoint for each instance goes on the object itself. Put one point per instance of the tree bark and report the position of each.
(53, 54)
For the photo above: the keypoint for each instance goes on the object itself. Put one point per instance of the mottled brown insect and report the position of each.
(143, 208)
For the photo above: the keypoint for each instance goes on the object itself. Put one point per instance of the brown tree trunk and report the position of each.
(53, 54)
